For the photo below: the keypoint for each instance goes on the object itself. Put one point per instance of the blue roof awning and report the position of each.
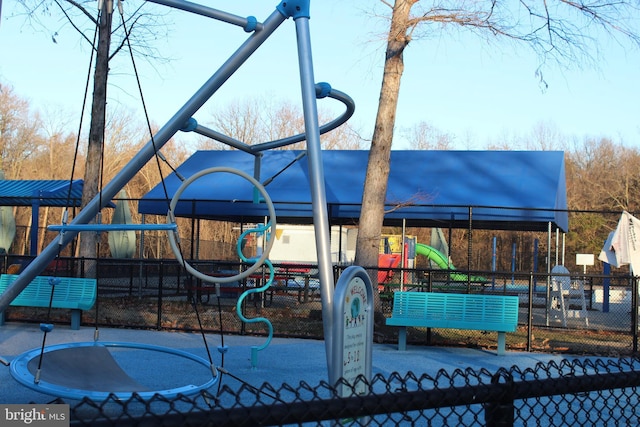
(520, 190)
(43, 192)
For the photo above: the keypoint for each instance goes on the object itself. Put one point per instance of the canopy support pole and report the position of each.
(546, 310)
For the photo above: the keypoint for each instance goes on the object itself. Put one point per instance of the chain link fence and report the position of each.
(576, 392)
(160, 295)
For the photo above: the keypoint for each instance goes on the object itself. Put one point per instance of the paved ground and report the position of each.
(283, 361)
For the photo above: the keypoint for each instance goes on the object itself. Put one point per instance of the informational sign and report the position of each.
(353, 330)
(585, 259)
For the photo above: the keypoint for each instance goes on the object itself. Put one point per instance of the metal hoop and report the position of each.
(269, 242)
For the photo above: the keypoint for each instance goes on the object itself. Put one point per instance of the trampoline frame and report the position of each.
(20, 372)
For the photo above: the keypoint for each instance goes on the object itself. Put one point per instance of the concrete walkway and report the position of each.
(283, 361)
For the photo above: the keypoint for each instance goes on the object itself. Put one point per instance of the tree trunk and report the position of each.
(375, 187)
(93, 168)
(43, 230)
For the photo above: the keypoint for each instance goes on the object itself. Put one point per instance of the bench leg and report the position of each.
(402, 338)
(1, 318)
(502, 343)
(76, 316)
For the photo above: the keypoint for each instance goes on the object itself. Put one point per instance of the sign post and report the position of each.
(590, 259)
(352, 331)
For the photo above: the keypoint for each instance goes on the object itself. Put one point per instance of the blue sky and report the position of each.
(477, 93)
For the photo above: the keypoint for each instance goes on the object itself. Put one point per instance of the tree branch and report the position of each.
(565, 30)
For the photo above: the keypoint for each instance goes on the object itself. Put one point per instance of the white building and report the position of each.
(296, 243)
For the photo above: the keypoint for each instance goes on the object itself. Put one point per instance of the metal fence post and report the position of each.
(160, 284)
(530, 312)
(501, 412)
(634, 313)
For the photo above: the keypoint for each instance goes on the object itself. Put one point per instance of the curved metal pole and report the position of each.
(256, 148)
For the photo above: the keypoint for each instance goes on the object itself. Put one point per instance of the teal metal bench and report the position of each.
(70, 292)
(454, 311)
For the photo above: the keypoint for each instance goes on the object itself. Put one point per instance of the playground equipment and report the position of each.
(434, 255)
(89, 370)
(183, 121)
(444, 263)
(387, 262)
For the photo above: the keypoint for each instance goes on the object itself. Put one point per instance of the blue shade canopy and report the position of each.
(15, 192)
(41, 192)
(519, 190)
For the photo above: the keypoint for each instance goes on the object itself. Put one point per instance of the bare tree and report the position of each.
(423, 136)
(96, 28)
(543, 136)
(19, 131)
(546, 136)
(567, 32)
(603, 175)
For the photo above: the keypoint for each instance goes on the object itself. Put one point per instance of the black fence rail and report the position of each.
(572, 392)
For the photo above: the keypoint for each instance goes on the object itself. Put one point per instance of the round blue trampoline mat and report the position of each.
(88, 369)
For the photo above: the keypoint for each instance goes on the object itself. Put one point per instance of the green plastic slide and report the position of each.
(434, 255)
(441, 261)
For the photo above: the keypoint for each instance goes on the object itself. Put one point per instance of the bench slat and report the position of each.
(454, 311)
(469, 311)
(70, 292)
